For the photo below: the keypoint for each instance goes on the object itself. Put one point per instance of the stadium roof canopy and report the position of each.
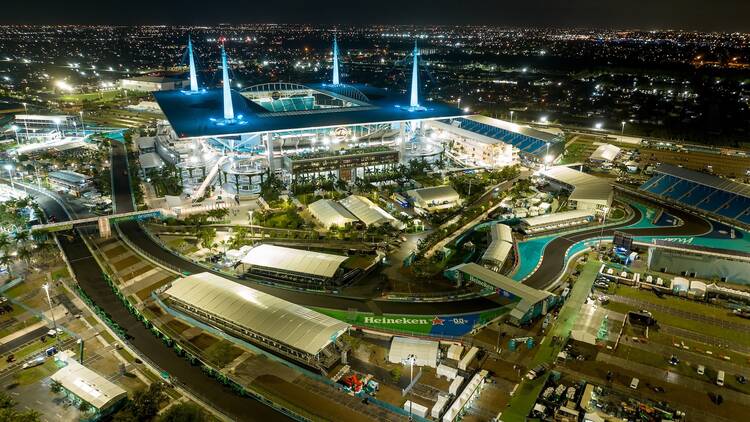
(294, 260)
(289, 323)
(367, 211)
(704, 179)
(330, 212)
(88, 385)
(196, 115)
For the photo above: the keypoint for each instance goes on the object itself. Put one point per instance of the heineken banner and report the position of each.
(434, 325)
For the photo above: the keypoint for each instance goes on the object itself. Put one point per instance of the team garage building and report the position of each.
(284, 328)
(298, 267)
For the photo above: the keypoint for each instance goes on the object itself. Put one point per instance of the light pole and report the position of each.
(511, 116)
(252, 231)
(83, 125)
(547, 157)
(9, 167)
(15, 132)
(459, 103)
(605, 210)
(45, 286)
(622, 132)
(411, 358)
(26, 120)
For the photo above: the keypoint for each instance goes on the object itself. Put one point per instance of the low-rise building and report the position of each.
(586, 192)
(152, 83)
(330, 213)
(84, 385)
(369, 213)
(435, 198)
(294, 265)
(70, 181)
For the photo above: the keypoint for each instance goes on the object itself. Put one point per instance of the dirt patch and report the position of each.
(314, 404)
(126, 262)
(203, 341)
(144, 293)
(177, 326)
(116, 251)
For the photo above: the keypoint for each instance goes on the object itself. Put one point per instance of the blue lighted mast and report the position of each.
(228, 108)
(191, 63)
(414, 103)
(335, 61)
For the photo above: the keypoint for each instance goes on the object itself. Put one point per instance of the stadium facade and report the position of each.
(233, 140)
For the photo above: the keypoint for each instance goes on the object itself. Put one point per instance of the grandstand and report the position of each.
(282, 327)
(296, 266)
(530, 142)
(705, 193)
(557, 221)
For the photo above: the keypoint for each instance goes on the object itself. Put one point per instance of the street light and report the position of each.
(83, 125)
(9, 167)
(605, 210)
(411, 359)
(622, 132)
(598, 126)
(45, 286)
(26, 120)
(511, 116)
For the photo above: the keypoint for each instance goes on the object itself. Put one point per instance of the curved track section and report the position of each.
(92, 281)
(553, 257)
(552, 263)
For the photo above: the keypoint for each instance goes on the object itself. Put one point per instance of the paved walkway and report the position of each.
(691, 356)
(694, 414)
(673, 378)
(644, 304)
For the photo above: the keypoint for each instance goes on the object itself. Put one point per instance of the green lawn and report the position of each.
(527, 393)
(663, 318)
(682, 304)
(90, 96)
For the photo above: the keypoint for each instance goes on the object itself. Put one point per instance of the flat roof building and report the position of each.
(587, 192)
(152, 83)
(330, 213)
(285, 328)
(556, 221)
(90, 387)
(294, 265)
(435, 198)
(74, 183)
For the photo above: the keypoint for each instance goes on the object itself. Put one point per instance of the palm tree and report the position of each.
(4, 241)
(6, 261)
(22, 236)
(25, 255)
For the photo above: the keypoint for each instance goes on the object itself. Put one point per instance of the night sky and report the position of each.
(710, 15)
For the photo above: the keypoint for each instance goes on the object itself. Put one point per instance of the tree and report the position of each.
(8, 413)
(183, 412)
(206, 236)
(144, 405)
(6, 261)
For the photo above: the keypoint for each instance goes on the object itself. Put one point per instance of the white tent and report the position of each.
(425, 352)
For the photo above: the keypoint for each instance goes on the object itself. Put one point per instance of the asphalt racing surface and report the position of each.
(553, 258)
(91, 280)
(136, 235)
(552, 263)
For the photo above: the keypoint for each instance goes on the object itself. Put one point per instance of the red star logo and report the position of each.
(437, 321)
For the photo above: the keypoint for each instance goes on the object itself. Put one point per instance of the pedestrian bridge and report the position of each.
(105, 220)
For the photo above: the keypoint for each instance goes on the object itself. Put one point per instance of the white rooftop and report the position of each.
(88, 385)
(424, 351)
(330, 212)
(585, 186)
(438, 194)
(557, 217)
(289, 323)
(367, 211)
(294, 260)
(605, 152)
